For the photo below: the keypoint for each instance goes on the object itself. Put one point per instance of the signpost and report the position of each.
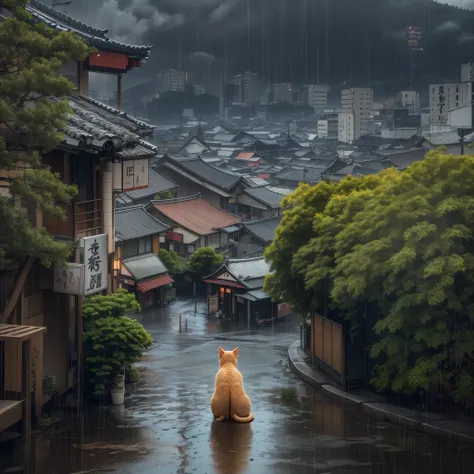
(213, 304)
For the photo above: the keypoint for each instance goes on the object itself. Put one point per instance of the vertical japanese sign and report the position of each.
(95, 263)
(135, 175)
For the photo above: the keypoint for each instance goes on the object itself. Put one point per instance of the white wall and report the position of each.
(346, 128)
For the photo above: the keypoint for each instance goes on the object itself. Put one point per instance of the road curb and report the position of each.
(376, 405)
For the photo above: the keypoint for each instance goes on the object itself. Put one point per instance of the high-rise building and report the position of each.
(410, 100)
(356, 105)
(248, 88)
(170, 80)
(467, 72)
(283, 92)
(316, 96)
(444, 97)
(346, 127)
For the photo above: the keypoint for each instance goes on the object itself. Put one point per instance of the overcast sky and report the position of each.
(192, 33)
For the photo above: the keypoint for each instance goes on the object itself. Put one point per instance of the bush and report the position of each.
(112, 340)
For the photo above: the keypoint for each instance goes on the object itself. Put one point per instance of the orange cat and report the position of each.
(229, 399)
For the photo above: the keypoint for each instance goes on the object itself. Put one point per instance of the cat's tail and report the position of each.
(239, 419)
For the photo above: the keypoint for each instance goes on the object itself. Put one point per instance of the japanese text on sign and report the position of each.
(95, 262)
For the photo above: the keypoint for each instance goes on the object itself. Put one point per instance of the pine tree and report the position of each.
(33, 108)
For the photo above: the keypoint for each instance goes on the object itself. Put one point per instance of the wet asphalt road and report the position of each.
(166, 426)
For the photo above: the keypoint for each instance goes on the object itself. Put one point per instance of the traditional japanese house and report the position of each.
(261, 202)
(195, 223)
(236, 291)
(256, 236)
(103, 152)
(137, 240)
(194, 175)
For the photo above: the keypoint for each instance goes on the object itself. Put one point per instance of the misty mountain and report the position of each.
(343, 42)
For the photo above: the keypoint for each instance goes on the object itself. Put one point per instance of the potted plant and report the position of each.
(113, 342)
(117, 390)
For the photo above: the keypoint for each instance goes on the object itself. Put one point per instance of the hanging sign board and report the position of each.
(134, 175)
(95, 263)
(69, 279)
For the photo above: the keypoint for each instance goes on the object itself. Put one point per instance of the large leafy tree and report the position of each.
(411, 251)
(400, 243)
(33, 109)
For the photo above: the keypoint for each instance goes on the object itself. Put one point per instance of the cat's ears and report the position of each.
(222, 351)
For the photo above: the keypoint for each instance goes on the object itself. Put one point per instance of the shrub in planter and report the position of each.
(112, 340)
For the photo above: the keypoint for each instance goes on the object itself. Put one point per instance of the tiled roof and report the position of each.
(195, 214)
(245, 156)
(157, 183)
(93, 36)
(300, 175)
(135, 222)
(250, 272)
(145, 266)
(92, 124)
(266, 195)
(263, 229)
(204, 171)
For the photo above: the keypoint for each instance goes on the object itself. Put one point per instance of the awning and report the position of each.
(162, 280)
(224, 283)
(255, 295)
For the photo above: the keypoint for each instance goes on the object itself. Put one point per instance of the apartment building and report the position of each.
(356, 105)
(467, 72)
(410, 100)
(170, 80)
(444, 97)
(316, 96)
(248, 88)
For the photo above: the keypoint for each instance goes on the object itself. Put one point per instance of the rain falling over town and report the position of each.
(235, 236)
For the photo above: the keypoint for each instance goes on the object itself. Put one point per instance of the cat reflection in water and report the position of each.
(229, 400)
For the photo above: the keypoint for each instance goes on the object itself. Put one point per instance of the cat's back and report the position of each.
(227, 374)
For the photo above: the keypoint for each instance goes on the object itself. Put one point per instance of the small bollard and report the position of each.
(180, 323)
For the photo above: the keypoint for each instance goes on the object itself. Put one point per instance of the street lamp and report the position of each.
(117, 265)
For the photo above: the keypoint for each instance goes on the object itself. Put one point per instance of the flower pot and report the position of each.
(117, 396)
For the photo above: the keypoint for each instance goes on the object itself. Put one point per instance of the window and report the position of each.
(132, 248)
(457, 97)
(441, 89)
(144, 245)
(191, 248)
(212, 240)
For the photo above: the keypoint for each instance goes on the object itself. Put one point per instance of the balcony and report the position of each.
(88, 221)
(88, 218)
(62, 229)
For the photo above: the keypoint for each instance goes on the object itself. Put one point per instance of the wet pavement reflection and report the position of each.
(166, 426)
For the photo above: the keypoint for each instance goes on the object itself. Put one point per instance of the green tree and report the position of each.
(204, 261)
(112, 340)
(31, 121)
(286, 283)
(410, 250)
(173, 261)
